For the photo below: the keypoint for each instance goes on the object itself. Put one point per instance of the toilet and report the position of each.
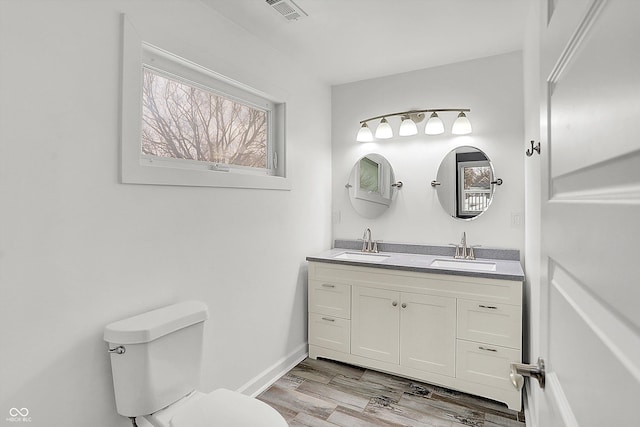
(155, 363)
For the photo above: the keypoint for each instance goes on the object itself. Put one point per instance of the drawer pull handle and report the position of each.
(328, 319)
(395, 303)
(326, 285)
(492, 307)
(488, 349)
(404, 305)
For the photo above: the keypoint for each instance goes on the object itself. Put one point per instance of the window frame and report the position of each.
(138, 168)
(462, 212)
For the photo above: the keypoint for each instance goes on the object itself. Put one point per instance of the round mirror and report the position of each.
(372, 185)
(465, 183)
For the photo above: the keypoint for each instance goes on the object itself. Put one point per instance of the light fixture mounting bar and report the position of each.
(406, 113)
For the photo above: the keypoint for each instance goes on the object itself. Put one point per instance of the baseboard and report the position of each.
(264, 379)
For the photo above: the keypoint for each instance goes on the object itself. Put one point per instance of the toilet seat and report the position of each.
(220, 408)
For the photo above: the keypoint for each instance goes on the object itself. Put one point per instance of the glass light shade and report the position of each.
(408, 127)
(384, 131)
(364, 134)
(434, 125)
(462, 125)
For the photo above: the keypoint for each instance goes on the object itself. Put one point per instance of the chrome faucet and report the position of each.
(463, 246)
(368, 245)
(464, 251)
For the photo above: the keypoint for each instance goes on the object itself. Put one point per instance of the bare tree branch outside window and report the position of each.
(184, 122)
(477, 177)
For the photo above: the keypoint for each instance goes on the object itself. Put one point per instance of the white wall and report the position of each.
(492, 88)
(79, 250)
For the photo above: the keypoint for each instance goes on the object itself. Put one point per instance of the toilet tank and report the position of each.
(161, 359)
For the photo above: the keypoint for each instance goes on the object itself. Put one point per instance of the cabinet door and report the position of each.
(375, 324)
(427, 333)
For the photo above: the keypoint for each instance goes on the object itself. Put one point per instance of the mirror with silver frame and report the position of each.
(372, 185)
(465, 183)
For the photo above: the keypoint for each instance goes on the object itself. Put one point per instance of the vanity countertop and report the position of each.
(504, 269)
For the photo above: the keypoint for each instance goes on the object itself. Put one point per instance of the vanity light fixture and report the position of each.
(462, 125)
(408, 127)
(384, 131)
(434, 126)
(364, 134)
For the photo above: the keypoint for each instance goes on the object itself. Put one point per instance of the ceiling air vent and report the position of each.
(288, 9)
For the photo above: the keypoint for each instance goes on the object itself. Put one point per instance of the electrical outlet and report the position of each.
(517, 219)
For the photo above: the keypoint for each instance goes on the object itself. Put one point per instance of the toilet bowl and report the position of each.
(155, 364)
(220, 408)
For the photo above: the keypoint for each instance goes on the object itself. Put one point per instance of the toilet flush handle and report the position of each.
(118, 350)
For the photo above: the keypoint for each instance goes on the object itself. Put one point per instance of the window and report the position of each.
(183, 124)
(369, 175)
(475, 185)
(373, 180)
(182, 121)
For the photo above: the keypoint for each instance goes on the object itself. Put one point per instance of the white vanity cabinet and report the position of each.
(460, 332)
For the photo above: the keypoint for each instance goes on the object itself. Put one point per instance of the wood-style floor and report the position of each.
(321, 393)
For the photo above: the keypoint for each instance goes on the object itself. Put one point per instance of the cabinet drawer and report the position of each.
(332, 299)
(485, 364)
(329, 332)
(498, 324)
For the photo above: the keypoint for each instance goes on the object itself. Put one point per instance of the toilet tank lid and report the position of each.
(153, 324)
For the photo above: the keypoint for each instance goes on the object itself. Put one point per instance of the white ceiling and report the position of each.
(348, 40)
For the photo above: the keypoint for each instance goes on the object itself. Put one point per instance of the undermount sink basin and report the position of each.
(456, 264)
(361, 256)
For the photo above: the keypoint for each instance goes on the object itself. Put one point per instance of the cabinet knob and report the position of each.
(395, 303)
(404, 305)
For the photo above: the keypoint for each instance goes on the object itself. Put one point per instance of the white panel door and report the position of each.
(375, 324)
(589, 334)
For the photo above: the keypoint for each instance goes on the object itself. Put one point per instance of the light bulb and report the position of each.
(364, 134)
(462, 125)
(407, 127)
(434, 125)
(384, 131)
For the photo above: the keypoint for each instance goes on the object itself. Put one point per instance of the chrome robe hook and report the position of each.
(529, 153)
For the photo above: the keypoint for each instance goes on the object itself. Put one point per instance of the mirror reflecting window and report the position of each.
(370, 185)
(465, 183)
